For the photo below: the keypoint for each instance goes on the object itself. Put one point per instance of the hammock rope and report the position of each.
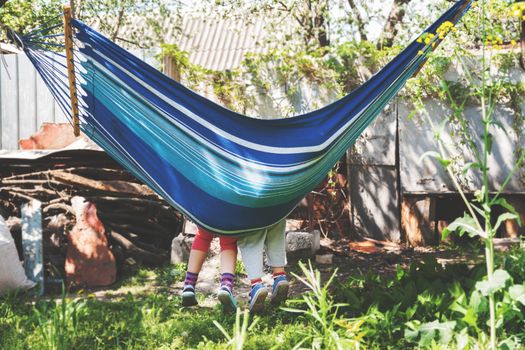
(230, 173)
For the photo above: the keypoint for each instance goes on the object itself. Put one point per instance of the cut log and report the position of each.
(117, 188)
(136, 252)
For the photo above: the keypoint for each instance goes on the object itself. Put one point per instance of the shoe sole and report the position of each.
(257, 304)
(228, 303)
(281, 293)
(188, 299)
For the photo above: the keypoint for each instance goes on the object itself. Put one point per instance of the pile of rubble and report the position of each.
(81, 189)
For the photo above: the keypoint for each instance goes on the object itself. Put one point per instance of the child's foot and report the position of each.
(279, 290)
(188, 296)
(227, 300)
(257, 296)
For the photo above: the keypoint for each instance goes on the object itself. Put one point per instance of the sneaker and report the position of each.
(279, 290)
(227, 300)
(188, 296)
(257, 296)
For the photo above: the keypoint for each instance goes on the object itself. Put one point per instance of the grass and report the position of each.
(363, 311)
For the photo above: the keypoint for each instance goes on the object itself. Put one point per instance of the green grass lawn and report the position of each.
(426, 305)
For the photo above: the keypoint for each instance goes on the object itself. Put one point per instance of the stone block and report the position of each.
(189, 228)
(303, 244)
(180, 248)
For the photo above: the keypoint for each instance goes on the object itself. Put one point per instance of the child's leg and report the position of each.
(275, 246)
(228, 254)
(228, 258)
(199, 250)
(251, 248)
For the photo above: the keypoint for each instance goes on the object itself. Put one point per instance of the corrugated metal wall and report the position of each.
(25, 101)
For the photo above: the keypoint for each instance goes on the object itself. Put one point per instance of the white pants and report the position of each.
(272, 241)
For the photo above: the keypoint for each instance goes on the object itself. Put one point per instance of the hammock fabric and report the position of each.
(230, 173)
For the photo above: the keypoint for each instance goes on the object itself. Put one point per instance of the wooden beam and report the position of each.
(417, 220)
(32, 242)
(68, 38)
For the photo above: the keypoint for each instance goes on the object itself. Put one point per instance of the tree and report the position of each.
(140, 23)
(313, 23)
(390, 30)
(23, 16)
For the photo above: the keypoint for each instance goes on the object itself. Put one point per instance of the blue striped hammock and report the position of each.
(230, 173)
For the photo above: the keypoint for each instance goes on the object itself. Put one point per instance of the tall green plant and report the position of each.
(322, 315)
(58, 322)
(477, 222)
(240, 331)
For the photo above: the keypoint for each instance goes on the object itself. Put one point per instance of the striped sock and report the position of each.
(255, 281)
(191, 279)
(277, 274)
(227, 280)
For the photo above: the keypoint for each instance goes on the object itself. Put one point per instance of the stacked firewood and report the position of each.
(138, 223)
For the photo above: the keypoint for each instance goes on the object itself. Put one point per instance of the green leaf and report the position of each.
(432, 330)
(517, 292)
(469, 166)
(503, 202)
(463, 225)
(475, 301)
(504, 217)
(429, 154)
(471, 317)
(499, 280)
(490, 140)
(433, 154)
(499, 125)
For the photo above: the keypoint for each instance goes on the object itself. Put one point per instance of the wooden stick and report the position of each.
(68, 37)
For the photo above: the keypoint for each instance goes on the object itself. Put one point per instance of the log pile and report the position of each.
(139, 224)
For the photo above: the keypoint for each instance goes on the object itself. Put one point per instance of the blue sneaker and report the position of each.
(188, 296)
(257, 296)
(229, 304)
(279, 290)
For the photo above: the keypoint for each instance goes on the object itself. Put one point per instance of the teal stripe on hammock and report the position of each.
(324, 166)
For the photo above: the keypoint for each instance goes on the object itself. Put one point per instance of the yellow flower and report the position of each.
(420, 52)
(433, 44)
(513, 42)
(419, 40)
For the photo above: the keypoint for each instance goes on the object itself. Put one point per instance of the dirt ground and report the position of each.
(346, 259)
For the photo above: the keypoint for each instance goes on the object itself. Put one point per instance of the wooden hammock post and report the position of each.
(68, 38)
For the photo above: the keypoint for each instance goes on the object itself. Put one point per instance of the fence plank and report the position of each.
(9, 103)
(27, 98)
(45, 111)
